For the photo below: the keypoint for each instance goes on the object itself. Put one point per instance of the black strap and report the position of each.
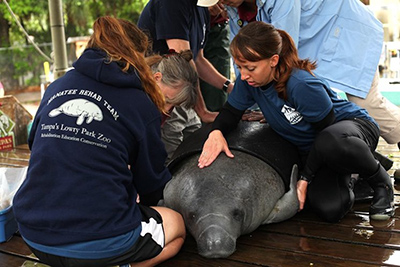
(227, 119)
(254, 138)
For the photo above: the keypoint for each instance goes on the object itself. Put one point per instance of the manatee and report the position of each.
(235, 196)
(80, 108)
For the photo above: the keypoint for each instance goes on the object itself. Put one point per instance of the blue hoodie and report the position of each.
(92, 124)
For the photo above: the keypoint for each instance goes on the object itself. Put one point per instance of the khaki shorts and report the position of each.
(384, 112)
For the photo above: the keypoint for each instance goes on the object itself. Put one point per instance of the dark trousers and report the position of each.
(339, 150)
(217, 52)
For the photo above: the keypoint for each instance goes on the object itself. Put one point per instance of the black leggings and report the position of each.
(338, 151)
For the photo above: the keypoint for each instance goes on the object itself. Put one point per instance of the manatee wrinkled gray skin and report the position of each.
(230, 198)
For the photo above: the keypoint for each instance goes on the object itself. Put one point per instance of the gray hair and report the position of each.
(179, 73)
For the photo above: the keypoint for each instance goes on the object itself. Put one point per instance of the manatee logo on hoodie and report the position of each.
(81, 108)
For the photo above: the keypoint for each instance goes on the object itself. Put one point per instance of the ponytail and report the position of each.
(289, 59)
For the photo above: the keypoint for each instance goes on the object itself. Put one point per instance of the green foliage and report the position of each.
(79, 16)
(27, 64)
(30, 14)
(129, 10)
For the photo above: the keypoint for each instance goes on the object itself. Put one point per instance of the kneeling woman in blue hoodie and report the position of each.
(95, 145)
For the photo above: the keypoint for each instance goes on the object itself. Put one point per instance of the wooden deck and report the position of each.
(304, 240)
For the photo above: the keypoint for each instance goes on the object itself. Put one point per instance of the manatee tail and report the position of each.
(288, 205)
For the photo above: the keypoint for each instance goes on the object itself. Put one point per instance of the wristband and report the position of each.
(226, 85)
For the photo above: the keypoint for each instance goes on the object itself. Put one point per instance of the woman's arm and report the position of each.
(208, 73)
(226, 121)
(325, 122)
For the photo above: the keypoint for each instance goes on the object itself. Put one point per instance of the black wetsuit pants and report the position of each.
(339, 150)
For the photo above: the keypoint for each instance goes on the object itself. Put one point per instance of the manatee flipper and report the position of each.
(89, 119)
(80, 119)
(55, 112)
(288, 205)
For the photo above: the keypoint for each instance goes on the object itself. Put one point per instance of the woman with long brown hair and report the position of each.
(96, 145)
(335, 137)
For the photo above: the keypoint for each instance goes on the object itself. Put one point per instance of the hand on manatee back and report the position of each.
(254, 115)
(215, 144)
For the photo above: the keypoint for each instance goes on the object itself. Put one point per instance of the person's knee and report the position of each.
(331, 214)
(333, 210)
(173, 224)
(332, 198)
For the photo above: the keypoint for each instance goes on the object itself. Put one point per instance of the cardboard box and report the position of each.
(8, 225)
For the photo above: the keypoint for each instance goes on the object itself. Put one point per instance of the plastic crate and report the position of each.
(8, 225)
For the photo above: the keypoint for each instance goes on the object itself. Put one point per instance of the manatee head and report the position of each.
(216, 216)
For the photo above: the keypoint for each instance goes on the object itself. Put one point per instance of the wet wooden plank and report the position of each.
(360, 235)
(255, 255)
(10, 261)
(187, 258)
(363, 208)
(281, 257)
(17, 253)
(353, 220)
(17, 246)
(317, 247)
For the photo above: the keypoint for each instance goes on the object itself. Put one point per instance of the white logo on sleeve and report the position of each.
(204, 34)
(80, 108)
(291, 114)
